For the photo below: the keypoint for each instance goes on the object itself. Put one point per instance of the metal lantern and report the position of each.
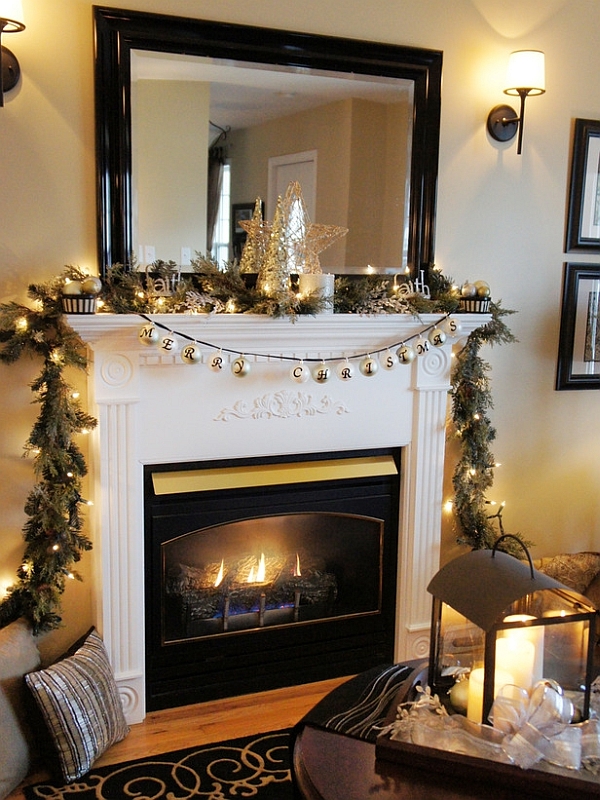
(501, 622)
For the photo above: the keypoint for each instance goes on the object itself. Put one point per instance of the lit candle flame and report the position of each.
(219, 579)
(297, 571)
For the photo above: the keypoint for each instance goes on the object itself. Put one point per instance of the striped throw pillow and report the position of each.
(80, 703)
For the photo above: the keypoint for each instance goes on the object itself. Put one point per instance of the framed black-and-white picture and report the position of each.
(579, 343)
(583, 221)
(240, 212)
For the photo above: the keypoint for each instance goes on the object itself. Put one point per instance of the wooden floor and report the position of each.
(176, 728)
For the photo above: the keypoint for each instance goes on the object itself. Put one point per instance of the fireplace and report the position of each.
(155, 410)
(262, 573)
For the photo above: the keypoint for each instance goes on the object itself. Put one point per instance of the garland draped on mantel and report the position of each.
(53, 532)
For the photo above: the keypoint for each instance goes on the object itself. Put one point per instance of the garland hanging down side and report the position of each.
(54, 541)
(53, 532)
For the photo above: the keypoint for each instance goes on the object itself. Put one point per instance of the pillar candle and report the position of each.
(322, 283)
(475, 698)
(516, 656)
(533, 634)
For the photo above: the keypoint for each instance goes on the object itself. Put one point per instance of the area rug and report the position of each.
(256, 766)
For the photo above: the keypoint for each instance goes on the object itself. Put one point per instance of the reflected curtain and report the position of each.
(216, 159)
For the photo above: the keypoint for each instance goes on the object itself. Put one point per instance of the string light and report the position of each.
(22, 324)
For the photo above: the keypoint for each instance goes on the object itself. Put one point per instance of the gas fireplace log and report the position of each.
(201, 599)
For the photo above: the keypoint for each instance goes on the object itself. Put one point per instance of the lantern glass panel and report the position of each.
(460, 647)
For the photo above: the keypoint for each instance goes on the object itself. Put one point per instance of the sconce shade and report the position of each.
(11, 14)
(526, 72)
(526, 76)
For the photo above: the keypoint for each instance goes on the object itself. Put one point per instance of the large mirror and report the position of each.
(356, 123)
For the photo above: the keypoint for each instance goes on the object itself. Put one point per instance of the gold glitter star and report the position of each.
(305, 240)
(257, 239)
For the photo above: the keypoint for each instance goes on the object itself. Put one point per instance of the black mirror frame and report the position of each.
(117, 32)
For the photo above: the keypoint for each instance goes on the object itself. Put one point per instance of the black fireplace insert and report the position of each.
(262, 573)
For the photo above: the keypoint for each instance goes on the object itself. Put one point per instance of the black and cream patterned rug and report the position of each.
(256, 766)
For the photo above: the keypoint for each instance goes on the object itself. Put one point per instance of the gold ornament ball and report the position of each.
(91, 285)
(437, 337)
(468, 290)
(216, 362)
(452, 326)
(321, 372)
(72, 288)
(421, 346)
(191, 354)
(389, 360)
(369, 366)
(240, 367)
(148, 335)
(169, 343)
(459, 695)
(345, 371)
(300, 373)
(406, 354)
(482, 288)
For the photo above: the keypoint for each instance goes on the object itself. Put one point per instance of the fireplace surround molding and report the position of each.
(154, 409)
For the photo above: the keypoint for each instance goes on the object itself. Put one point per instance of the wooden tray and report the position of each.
(542, 780)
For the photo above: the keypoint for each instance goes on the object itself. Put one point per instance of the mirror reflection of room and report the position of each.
(209, 138)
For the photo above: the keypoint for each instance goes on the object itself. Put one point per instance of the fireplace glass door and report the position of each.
(262, 574)
(266, 571)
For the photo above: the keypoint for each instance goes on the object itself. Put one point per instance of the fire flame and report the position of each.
(258, 575)
(219, 579)
(297, 571)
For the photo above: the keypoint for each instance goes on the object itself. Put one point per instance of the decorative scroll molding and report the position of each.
(282, 405)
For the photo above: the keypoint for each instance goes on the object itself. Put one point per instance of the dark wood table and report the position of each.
(330, 766)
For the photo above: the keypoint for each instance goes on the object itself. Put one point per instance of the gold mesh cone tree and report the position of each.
(274, 273)
(256, 241)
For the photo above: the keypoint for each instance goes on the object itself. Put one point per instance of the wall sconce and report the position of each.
(525, 76)
(11, 21)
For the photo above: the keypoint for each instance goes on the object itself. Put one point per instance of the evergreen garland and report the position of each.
(54, 541)
(474, 472)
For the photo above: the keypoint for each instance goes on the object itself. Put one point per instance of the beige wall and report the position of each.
(170, 166)
(361, 173)
(251, 149)
(500, 218)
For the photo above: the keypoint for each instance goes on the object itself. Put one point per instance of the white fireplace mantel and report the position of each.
(153, 408)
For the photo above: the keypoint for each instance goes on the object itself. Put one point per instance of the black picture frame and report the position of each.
(240, 212)
(579, 341)
(583, 221)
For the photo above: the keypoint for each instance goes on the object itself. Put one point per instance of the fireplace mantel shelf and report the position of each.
(336, 333)
(154, 409)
